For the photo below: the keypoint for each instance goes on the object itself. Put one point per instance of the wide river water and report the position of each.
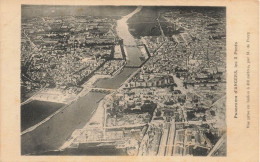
(132, 52)
(54, 132)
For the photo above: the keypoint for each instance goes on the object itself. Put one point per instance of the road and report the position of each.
(126, 126)
(170, 143)
(162, 33)
(163, 142)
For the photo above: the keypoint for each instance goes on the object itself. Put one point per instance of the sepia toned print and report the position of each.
(123, 80)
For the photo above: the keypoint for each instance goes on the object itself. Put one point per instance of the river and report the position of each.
(53, 133)
(122, 28)
(133, 53)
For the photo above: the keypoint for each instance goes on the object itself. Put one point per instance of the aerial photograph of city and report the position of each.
(123, 80)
